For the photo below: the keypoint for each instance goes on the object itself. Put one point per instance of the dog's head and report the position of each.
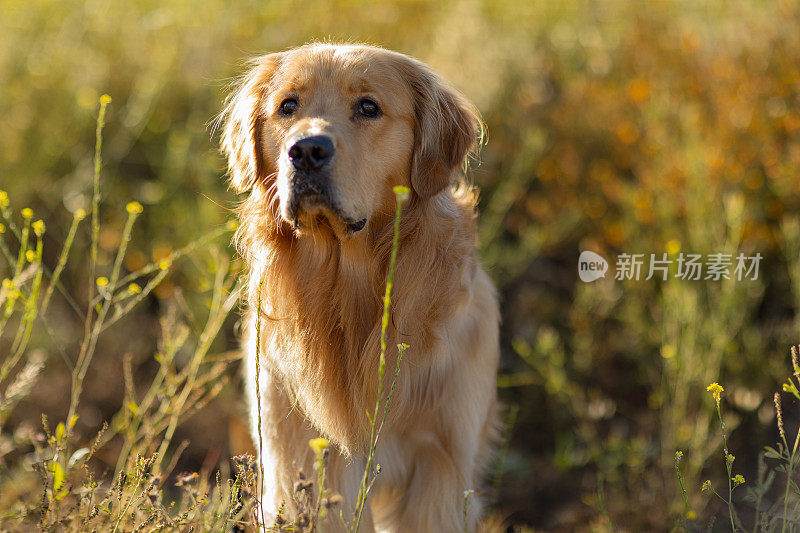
(330, 129)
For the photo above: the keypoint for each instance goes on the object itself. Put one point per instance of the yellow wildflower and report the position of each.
(707, 487)
(105, 99)
(80, 214)
(102, 281)
(27, 213)
(319, 445)
(691, 515)
(716, 391)
(3, 199)
(401, 192)
(738, 479)
(38, 228)
(30, 255)
(133, 288)
(165, 264)
(134, 208)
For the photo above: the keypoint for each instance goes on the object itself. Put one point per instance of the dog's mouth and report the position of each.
(312, 203)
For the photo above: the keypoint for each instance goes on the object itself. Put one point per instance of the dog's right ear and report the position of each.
(242, 118)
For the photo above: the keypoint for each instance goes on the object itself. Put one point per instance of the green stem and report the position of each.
(728, 465)
(401, 194)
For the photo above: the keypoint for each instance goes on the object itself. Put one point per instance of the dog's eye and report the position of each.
(368, 108)
(288, 107)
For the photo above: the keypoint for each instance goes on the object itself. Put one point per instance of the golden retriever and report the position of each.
(318, 136)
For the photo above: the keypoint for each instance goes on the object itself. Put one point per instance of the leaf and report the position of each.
(771, 452)
(77, 456)
(789, 387)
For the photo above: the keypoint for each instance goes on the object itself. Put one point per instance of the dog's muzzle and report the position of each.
(311, 156)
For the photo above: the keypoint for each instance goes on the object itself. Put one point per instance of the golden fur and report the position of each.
(320, 284)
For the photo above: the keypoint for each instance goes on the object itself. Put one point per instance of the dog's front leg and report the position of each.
(432, 497)
(344, 477)
(281, 445)
(283, 448)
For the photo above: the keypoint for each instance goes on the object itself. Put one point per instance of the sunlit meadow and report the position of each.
(616, 127)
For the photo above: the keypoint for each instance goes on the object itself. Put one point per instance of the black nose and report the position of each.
(311, 153)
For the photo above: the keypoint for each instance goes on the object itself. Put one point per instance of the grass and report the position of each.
(70, 495)
(783, 460)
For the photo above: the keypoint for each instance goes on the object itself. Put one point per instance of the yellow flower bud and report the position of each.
(134, 208)
(319, 445)
(27, 213)
(30, 255)
(3, 199)
(133, 288)
(102, 281)
(401, 192)
(80, 214)
(38, 228)
(105, 99)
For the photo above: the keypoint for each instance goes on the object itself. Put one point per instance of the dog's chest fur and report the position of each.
(322, 339)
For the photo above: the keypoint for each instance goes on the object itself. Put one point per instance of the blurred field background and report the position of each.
(617, 127)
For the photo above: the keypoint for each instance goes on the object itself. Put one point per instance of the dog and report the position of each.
(318, 136)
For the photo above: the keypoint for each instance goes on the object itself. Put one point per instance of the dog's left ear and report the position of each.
(447, 130)
(242, 117)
